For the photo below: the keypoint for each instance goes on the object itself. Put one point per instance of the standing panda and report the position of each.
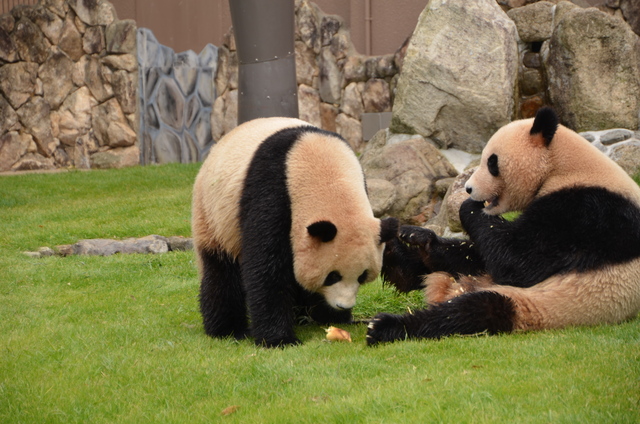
(282, 226)
(571, 258)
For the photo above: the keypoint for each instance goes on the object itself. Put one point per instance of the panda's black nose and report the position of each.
(469, 189)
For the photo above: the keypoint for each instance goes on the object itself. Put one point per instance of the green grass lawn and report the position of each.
(119, 338)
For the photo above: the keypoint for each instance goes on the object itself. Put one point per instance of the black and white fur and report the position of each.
(571, 258)
(282, 227)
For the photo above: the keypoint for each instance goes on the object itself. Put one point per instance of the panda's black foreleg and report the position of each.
(527, 250)
(455, 256)
(470, 313)
(222, 301)
(403, 266)
(272, 318)
(270, 292)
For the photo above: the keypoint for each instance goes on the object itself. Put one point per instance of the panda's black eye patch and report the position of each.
(332, 278)
(492, 164)
(363, 277)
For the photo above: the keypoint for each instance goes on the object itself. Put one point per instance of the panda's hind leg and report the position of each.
(469, 313)
(441, 286)
(222, 299)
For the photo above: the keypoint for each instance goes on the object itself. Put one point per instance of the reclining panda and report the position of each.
(571, 258)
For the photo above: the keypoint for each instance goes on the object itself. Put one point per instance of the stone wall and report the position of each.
(581, 61)
(335, 84)
(68, 87)
(69, 82)
(470, 67)
(177, 94)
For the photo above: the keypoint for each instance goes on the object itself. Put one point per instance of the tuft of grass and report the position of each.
(120, 339)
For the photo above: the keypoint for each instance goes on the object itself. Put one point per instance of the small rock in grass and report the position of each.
(46, 251)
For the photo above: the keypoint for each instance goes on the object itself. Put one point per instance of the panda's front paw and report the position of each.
(385, 328)
(417, 236)
(471, 206)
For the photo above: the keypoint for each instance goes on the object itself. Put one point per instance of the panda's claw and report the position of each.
(385, 328)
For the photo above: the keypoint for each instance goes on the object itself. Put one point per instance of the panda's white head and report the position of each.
(514, 164)
(336, 241)
(337, 261)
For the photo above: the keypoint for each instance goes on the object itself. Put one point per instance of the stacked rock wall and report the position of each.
(177, 94)
(68, 86)
(470, 69)
(584, 62)
(69, 81)
(459, 74)
(335, 84)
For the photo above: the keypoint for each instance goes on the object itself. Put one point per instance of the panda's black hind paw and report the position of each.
(385, 328)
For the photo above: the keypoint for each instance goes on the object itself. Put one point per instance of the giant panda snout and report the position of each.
(344, 301)
(341, 296)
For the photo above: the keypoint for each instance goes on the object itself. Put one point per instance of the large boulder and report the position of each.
(447, 221)
(330, 77)
(401, 172)
(125, 88)
(121, 36)
(631, 12)
(96, 79)
(8, 50)
(534, 21)
(351, 130)
(33, 162)
(593, 72)
(459, 73)
(71, 39)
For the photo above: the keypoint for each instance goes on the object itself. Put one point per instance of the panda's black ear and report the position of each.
(388, 229)
(545, 123)
(325, 231)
